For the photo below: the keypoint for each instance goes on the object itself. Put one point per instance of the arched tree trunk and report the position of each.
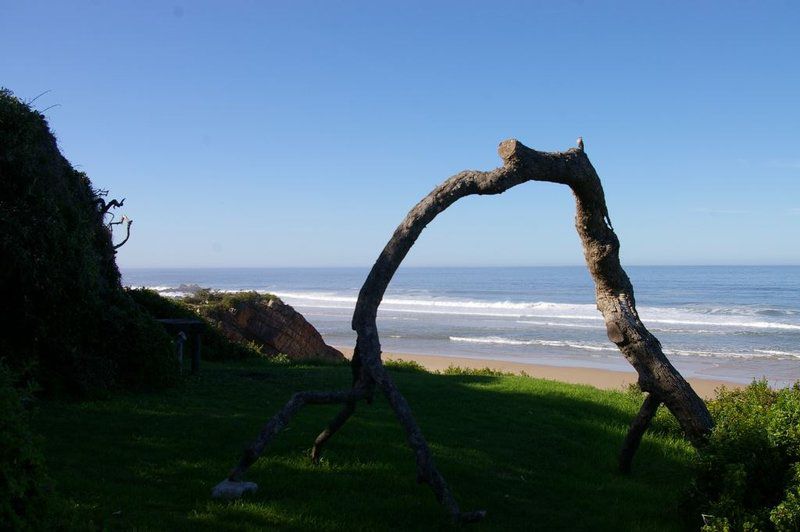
(613, 291)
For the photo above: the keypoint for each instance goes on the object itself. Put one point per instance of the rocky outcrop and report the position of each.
(276, 327)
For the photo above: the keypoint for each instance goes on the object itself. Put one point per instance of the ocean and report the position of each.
(733, 323)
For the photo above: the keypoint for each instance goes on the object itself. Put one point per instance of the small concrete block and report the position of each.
(229, 489)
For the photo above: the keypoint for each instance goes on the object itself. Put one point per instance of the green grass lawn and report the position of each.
(535, 454)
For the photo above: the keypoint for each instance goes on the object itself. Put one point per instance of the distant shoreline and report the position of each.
(603, 379)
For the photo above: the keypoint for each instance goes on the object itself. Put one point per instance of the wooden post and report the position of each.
(186, 328)
(181, 341)
(196, 346)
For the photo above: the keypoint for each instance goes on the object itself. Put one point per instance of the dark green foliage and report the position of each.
(24, 496)
(209, 301)
(486, 372)
(748, 476)
(66, 320)
(215, 345)
(404, 365)
(212, 305)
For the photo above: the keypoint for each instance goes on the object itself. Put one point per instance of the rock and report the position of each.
(188, 288)
(277, 328)
(229, 489)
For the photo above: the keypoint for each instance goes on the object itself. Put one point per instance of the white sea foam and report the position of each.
(775, 352)
(499, 340)
(159, 288)
(561, 324)
(174, 293)
(688, 331)
(546, 343)
(544, 310)
(723, 323)
(579, 325)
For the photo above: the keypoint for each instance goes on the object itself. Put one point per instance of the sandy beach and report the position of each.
(599, 378)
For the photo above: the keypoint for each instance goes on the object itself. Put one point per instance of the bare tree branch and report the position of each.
(38, 96)
(113, 204)
(128, 231)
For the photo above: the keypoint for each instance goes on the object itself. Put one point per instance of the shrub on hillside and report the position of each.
(748, 475)
(398, 364)
(210, 301)
(66, 320)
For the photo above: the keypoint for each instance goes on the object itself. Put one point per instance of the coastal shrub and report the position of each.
(66, 320)
(24, 493)
(207, 301)
(404, 365)
(215, 345)
(482, 372)
(747, 477)
(281, 359)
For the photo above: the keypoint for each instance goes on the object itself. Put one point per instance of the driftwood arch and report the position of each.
(615, 300)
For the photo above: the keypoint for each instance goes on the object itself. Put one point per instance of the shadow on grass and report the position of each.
(535, 454)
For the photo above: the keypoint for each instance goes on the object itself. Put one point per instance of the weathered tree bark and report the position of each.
(636, 431)
(128, 223)
(613, 291)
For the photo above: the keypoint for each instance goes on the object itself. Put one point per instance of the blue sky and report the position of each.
(300, 133)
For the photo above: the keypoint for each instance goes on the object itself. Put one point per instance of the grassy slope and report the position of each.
(535, 454)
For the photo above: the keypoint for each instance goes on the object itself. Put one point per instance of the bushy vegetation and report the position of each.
(201, 306)
(748, 476)
(487, 371)
(24, 494)
(66, 320)
(404, 365)
(209, 301)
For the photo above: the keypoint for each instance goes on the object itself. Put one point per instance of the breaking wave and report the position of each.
(571, 314)
(544, 313)
(546, 343)
(499, 340)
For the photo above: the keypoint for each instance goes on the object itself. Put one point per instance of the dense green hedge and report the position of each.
(66, 320)
(24, 494)
(748, 475)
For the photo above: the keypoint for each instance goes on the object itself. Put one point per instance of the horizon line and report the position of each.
(649, 265)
